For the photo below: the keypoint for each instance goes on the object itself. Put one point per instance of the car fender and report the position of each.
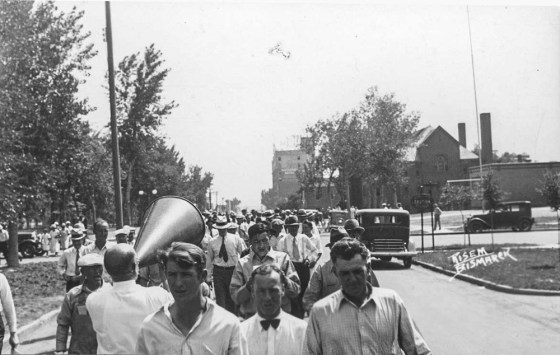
(479, 220)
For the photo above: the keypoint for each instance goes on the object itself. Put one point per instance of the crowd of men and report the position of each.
(254, 285)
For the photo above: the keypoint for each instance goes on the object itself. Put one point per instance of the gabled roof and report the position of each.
(422, 135)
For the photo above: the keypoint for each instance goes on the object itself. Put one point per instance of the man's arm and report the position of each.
(240, 292)
(313, 291)
(210, 261)
(312, 343)
(237, 344)
(293, 284)
(313, 252)
(62, 265)
(63, 320)
(410, 339)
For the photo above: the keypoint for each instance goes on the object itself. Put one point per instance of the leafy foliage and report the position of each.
(550, 189)
(369, 142)
(457, 197)
(491, 191)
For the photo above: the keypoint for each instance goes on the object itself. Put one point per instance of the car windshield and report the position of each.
(371, 219)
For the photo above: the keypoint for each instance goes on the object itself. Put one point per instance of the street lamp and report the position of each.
(143, 193)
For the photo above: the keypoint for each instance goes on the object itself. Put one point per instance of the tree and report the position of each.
(269, 198)
(233, 204)
(491, 191)
(294, 202)
(44, 60)
(369, 142)
(140, 111)
(550, 190)
(197, 185)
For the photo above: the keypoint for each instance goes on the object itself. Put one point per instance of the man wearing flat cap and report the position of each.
(261, 253)
(324, 281)
(73, 313)
(68, 262)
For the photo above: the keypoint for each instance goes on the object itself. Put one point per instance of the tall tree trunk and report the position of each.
(93, 209)
(12, 259)
(128, 189)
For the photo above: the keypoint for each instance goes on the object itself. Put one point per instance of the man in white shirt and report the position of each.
(68, 263)
(272, 331)
(101, 231)
(192, 323)
(307, 229)
(7, 307)
(117, 313)
(223, 253)
(303, 254)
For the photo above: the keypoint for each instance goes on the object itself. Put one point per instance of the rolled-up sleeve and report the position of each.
(237, 287)
(293, 286)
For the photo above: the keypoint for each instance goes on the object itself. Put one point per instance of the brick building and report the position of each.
(520, 180)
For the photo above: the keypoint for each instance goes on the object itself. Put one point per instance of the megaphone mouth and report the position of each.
(168, 219)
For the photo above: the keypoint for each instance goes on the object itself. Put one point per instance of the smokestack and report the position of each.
(486, 138)
(462, 135)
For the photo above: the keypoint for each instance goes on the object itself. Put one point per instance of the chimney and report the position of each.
(462, 135)
(486, 138)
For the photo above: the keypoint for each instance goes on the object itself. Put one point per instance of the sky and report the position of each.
(237, 100)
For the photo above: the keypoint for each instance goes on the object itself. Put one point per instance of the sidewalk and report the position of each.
(35, 338)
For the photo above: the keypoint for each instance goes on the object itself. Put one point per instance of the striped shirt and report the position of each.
(381, 325)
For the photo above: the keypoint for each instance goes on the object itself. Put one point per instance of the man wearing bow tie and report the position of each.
(271, 331)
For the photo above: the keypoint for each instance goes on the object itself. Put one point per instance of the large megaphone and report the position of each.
(168, 219)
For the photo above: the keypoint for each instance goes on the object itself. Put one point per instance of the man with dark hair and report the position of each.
(353, 228)
(272, 331)
(261, 253)
(360, 319)
(324, 281)
(117, 312)
(191, 323)
(73, 313)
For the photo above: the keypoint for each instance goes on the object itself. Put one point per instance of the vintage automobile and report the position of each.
(514, 214)
(29, 245)
(387, 234)
(337, 218)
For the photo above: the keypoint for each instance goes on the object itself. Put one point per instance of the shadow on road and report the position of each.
(396, 264)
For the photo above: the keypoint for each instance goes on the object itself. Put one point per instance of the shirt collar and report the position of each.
(371, 297)
(259, 318)
(269, 255)
(123, 285)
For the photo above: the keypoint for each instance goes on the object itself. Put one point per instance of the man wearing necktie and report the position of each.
(68, 262)
(303, 254)
(223, 253)
(271, 331)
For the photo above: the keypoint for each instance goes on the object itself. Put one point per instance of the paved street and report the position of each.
(459, 318)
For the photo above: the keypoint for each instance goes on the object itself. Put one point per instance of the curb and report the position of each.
(487, 284)
(33, 326)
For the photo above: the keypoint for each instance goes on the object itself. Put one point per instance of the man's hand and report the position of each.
(249, 284)
(307, 263)
(14, 340)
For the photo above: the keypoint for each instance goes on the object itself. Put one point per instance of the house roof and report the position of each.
(422, 135)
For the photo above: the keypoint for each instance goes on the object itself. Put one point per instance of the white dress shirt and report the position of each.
(7, 303)
(216, 331)
(67, 261)
(287, 339)
(306, 248)
(117, 314)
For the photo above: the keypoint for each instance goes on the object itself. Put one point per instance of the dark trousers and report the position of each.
(304, 275)
(222, 279)
(1, 332)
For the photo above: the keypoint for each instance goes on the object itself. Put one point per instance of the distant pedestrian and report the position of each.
(54, 238)
(69, 260)
(73, 313)
(7, 307)
(437, 215)
(4, 237)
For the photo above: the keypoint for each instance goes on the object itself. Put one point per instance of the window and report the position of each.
(440, 163)
(279, 158)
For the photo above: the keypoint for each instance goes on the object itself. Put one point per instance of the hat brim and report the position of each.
(291, 224)
(225, 226)
(360, 229)
(75, 237)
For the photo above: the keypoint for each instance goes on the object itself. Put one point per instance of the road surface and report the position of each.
(458, 318)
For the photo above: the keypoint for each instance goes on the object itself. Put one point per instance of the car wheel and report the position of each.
(524, 225)
(27, 250)
(407, 262)
(476, 227)
(385, 258)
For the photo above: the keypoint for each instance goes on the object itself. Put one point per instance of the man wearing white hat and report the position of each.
(121, 235)
(68, 262)
(73, 313)
(223, 253)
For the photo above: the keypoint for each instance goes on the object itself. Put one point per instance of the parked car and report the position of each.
(29, 245)
(387, 234)
(337, 219)
(514, 214)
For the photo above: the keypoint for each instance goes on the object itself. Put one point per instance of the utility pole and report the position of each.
(114, 132)
(210, 198)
